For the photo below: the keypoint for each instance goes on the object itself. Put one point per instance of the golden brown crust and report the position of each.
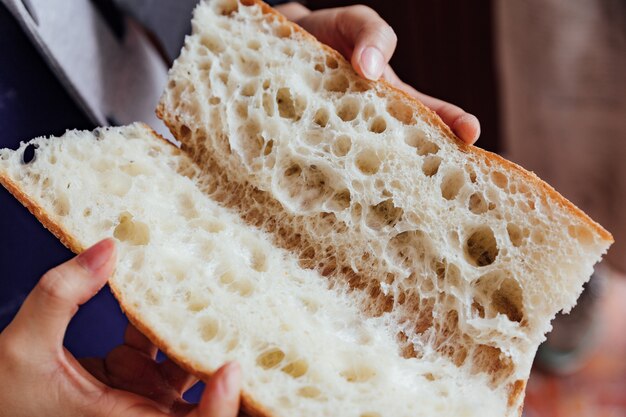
(435, 120)
(57, 230)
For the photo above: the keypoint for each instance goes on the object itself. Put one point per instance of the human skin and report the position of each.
(368, 42)
(41, 378)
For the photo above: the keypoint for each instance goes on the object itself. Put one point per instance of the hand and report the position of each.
(366, 40)
(41, 378)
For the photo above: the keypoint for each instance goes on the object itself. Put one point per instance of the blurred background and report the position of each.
(546, 78)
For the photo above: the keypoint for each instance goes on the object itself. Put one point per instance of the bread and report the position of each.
(332, 235)
(466, 254)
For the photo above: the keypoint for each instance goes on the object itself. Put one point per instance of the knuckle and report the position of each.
(53, 285)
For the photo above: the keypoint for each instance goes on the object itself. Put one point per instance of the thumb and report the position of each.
(221, 395)
(48, 309)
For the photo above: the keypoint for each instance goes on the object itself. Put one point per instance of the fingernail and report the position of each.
(372, 63)
(96, 256)
(230, 383)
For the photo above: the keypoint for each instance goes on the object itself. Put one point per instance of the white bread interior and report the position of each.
(389, 269)
(208, 288)
(467, 256)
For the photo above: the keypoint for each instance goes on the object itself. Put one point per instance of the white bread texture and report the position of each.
(466, 256)
(332, 235)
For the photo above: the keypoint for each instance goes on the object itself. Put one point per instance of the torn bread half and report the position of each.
(467, 255)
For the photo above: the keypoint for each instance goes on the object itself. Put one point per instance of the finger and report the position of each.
(373, 40)
(465, 125)
(48, 309)
(221, 395)
(176, 377)
(137, 340)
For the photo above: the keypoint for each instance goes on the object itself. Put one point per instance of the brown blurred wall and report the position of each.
(445, 49)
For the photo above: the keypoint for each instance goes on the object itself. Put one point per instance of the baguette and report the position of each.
(327, 232)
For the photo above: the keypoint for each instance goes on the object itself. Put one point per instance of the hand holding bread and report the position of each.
(368, 42)
(41, 378)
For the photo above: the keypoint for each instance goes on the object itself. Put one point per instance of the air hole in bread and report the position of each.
(87, 212)
(370, 414)
(320, 67)
(401, 111)
(249, 89)
(378, 125)
(249, 64)
(187, 206)
(241, 108)
(342, 145)
(348, 109)
(481, 248)
(52, 159)
(61, 204)
(452, 183)
(198, 302)
(283, 30)
(331, 62)
(358, 373)
(313, 137)
(538, 237)
(361, 86)
(337, 83)
(321, 117)
(581, 233)
(516, 235)
(270, 358)
(288, 107)
(254, 44)
(368, 162)
(130, 231)
(258, 260)
(383, 214)
(410, 247)
(29, 155)
(268, 104)
(340, 200)
(269, 146)
(242, 286)
(477, 204)
(507, 299)
(309, 392)
(296, 368)
(250, 140)
(417, 139)
(214, 101)
(499, 179)
(306, 186)
(152, 298)
(209, 327)
(232, 343)
(212, 43)
(493, 361)
(288, 50)
(431, 164)
(184, 132)
(208, 224)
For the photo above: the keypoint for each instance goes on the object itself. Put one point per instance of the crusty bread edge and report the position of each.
(250, 407)
(488, 157)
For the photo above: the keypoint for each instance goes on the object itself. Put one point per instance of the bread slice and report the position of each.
(361, 260)
(467, 256)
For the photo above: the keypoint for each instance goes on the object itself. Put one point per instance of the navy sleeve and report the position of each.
(33, 103)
